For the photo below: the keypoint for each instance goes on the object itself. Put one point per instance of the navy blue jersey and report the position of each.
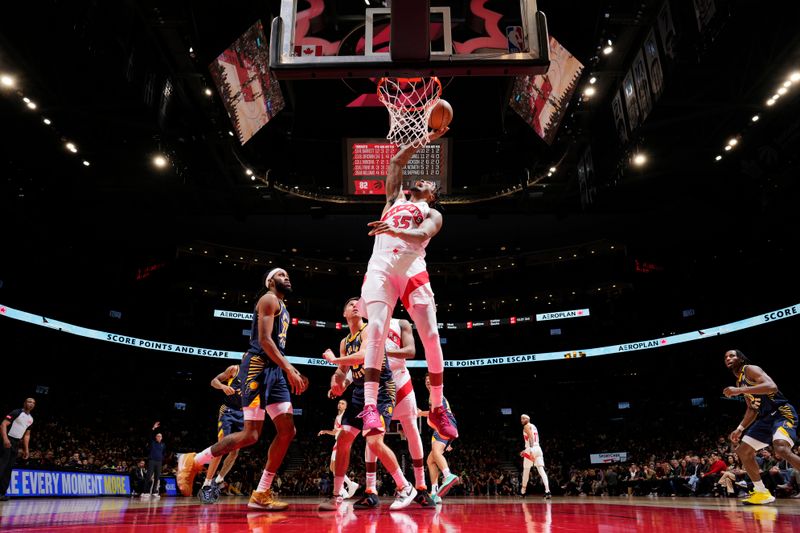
(280, 327)
(386, 383)
(234, 401)
(765, 404)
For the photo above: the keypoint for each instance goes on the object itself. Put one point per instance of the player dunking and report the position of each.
(769, 418)
(350, 487)
(230, 420)
(264, 390)
(397, 270)
(351, 359)
(532, 456)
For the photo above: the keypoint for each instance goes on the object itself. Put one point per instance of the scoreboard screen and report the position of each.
(367, 160)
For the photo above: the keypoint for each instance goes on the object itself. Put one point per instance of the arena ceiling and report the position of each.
(95, 70)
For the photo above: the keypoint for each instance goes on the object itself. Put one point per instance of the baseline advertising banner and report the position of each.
(606, 458)
(557, 315)
(49, 483)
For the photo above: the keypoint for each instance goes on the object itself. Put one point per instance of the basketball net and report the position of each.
(409, 102)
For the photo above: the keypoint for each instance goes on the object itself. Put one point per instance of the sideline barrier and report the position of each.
(26, 482)
(661, 342)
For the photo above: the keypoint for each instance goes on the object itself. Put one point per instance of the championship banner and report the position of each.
(606, 458)
(666, 29)
(631, 104)
(619, 119)
(642, 85)
(49, 483)
(653, 60)
(577, 313)
(647, 344)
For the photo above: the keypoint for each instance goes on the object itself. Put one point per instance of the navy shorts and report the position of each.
(355, 406)
(230, 421)
(780, 423)
(264, 383)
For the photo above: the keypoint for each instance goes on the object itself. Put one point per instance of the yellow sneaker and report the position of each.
(758, 497)
(266, 501)
(187, 470)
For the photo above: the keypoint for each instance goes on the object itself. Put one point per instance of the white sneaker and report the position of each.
(145, 496)
(343, 493)
(404, 498)
(351, 489)
(156, 496)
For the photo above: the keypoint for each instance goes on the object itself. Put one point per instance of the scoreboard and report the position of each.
(367, 160)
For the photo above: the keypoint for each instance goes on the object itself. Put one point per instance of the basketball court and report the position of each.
(456, 515)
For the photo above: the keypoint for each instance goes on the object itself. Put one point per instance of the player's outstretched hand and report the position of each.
(380, 226)
(435, 134)
(329, 356)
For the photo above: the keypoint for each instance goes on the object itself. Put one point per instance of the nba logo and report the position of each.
(516, 39)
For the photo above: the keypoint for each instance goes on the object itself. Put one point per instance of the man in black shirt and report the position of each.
(139, 478)
(154, 464)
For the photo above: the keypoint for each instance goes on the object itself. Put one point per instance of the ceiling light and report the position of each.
(770, 102)
(248, 172)
(230, 133)
(46, 121)
(776, 96)
(795, 76)
(639, 159)
(755, 118)
(191, 50)
(86, 163)
(252, 178)
(728, 148)
(31, 105)
(782, 90)
(589, 92)
(7, 81)
(787, 83)
(160, 161)
(208, 92)
(552, 169)
(26, 100)
(608, 49)
(71, 147)
(718, 158)
(733, 142)
(592, 80)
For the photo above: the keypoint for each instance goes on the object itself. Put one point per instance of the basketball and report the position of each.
(441, 115)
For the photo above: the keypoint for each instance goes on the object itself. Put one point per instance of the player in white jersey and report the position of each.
(532, 456)
(350, 487)
(397, 270)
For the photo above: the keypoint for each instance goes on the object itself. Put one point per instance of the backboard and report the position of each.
(351, 39)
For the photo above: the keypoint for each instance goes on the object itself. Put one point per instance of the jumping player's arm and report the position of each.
(339, 380)
(394, 175)
(218, 380)
(408, 350)
(749, 417)
(763, 384)
(429, 227)
(266, 308)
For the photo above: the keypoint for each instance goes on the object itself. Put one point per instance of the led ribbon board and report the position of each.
(647, 344)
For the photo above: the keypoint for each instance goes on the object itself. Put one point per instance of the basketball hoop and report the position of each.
(409, 102)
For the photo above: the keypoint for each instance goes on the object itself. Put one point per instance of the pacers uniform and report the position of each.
(386, 388)
(264, 385)
(534, 455)
(405, 402)
(776, 419)
(231, 418)
(449, 413)
(397, 267)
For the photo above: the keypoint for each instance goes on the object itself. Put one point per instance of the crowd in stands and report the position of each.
(693, 458)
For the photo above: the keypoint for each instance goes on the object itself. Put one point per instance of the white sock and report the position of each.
(370, 393)
(399, 479)
(419, 476)
(434, 488)
(372, 485)
(204, 457)
(759, 486)
(266, 481)
(219, 479)
(347, 481)
(445, 472)
(207, 482)
(338, 481)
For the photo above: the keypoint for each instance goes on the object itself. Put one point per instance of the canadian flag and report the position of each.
(308, 50)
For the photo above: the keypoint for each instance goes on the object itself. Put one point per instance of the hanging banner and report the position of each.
(655, 74)
(619, 118)
(642, 85)
(704, 11)
(631, 104)
(667, 31)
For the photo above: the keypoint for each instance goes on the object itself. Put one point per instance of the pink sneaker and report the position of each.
(438, 420)
(371, 418)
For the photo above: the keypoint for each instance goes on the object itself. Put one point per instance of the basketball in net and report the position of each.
(410, 102)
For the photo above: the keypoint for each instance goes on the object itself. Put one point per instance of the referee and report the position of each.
(15, 427)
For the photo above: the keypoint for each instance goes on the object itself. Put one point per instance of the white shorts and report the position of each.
(391, 276)
(538, 458)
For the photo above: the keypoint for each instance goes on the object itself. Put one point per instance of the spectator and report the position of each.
(138, 478)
